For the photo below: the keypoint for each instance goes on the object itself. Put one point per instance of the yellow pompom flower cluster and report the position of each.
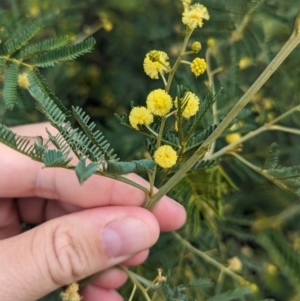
(235, 264)
(23, 81)
(198, 66)
(71, 293)
(159, 102)
(165, 156)
(191, 103)
(193, 16)
(155, 63)
(211, 42)
(245, 62)
(231, 138)
(140, 116)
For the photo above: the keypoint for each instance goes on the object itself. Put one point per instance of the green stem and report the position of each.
(136, 282)
(284, 129)
(179, 59)
(264, 173)
(210, 260)
(158, 143)
(211, 86)
(269, 126)
(293, 41)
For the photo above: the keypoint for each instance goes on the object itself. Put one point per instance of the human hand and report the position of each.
(83, 229)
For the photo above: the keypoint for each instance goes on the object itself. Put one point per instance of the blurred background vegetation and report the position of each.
(237, 219)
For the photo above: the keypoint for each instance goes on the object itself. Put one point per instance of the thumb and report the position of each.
(71, 247)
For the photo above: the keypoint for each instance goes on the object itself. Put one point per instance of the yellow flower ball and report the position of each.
(165, 156)
(159, 102)
(245, 62)
(71, 293)
(230, 138)
(193, 16)
(235, 264)
(191, 103)
(198, 66)
(254, 287)
(211, 42)
(140, 116)
(23, 81)
(196, 47)
(155, 63)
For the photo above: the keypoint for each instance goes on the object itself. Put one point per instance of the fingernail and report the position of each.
(125, 236)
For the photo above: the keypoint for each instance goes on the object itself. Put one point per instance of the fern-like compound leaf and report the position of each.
(77, 141)
(271, 160)
(37, 81)
(66, 53)
(20, 144)
(204, 164)
(2, 64)
(231, 295)
(40, 47)
(208, 102)
(283, 254)
(10, 85)
(20, 38)
(47, 106)
(83, 172)
(96, 137)
(198, 139)
(59, 142)
(201, 282)
(121, 168)
(55, 158)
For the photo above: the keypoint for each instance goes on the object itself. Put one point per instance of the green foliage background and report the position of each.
(233, 211)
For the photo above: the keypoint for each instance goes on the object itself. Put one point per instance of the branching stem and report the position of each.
(210, 260)
(290, 45)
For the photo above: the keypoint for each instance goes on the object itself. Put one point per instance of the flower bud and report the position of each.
(196, 47)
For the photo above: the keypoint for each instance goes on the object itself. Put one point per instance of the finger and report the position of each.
(92, 293)
(136, 259)
(61, 184)
(72, 247)
(9, 220)
(38, 210)
(110, 279)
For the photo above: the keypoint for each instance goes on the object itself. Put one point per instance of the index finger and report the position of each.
(23, 177)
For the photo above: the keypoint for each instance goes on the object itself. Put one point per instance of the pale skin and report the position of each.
(82, 229)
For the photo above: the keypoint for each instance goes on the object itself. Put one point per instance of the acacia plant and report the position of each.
(181, 126)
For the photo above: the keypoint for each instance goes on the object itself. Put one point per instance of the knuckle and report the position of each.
(69, 259)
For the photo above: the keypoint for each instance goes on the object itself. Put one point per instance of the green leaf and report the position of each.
(47, 106)
(201, 282)
(65, 53)
(271, 160)
(2, 64)
(204, 164)
(99, 145)
(18, 143)
(10, 85)
(208, 102)
(37, 81)
(20, 37)
(231, 295)
(46, 45)
(282, 254)
(84, 172)
(121, 168)
(55, 158)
